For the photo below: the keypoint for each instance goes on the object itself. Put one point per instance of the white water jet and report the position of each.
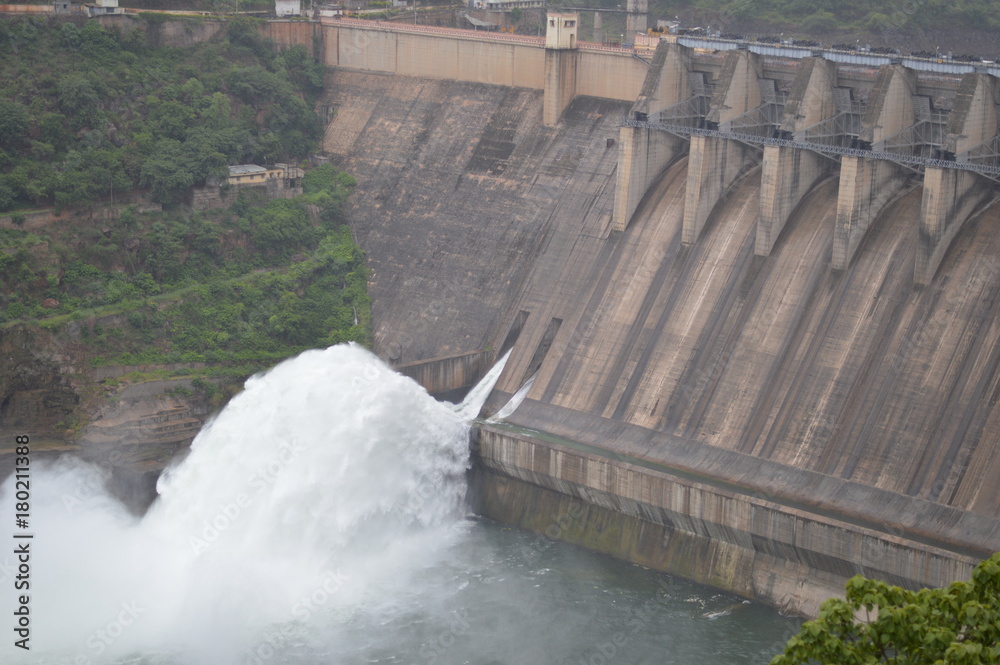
(320, 490)
(473, 402)
(515, 401)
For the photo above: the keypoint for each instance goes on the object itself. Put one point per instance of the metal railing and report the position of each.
(986, 169)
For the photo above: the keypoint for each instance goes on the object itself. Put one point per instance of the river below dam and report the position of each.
(320, 519)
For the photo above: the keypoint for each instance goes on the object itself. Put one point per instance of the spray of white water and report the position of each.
(515, 401)
(473, 402)
(318, 491)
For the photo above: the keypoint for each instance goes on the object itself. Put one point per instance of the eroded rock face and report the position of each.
(35, 388)
(48, 392)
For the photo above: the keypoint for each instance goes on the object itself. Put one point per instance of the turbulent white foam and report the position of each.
(320, 489)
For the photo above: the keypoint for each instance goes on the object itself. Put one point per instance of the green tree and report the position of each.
(52, 127)
(170, 119)
(98, 42)
(328, 188)
(167, 172)
(219, 111)
(303, 70)
(69, 35)
(13, 124)
(957, 625)
(78, 99)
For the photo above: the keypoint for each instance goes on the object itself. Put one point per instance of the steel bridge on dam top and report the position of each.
(832, 138)
(914, 149)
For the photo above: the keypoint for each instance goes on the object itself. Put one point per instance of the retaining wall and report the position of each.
(731, 538)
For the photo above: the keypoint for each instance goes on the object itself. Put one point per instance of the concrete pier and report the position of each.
(788, 173)
(950, 195)
(867, 185)
(645, 153)
(637, 19)
(714, 163)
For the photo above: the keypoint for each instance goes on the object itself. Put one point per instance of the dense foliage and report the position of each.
(248, 285)
(826, 15)
(959, 624)
(88, 113)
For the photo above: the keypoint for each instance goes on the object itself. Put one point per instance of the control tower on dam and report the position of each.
(752, 299)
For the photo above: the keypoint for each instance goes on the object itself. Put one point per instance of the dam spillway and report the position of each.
(770, 416)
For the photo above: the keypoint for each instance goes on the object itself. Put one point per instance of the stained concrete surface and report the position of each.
(860, 391)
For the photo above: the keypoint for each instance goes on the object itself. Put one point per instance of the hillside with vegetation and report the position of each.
(88, 113)
(859, 15)
(251, 284)
(91, 116)
(962, 26)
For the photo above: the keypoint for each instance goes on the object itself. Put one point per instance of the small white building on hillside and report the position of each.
(103, 8)
(288, 7)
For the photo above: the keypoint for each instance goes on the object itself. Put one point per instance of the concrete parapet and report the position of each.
(715, 164)
(645, 153)
(951, 195)
(437, 53)
(789, 173)
(867, 185)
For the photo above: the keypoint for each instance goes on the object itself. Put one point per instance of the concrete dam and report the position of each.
(754, 290)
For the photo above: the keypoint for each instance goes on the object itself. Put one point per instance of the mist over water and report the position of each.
(318, 519)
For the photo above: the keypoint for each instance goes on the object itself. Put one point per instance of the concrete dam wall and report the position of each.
(459, 185)
(862, 410)
(761, 316)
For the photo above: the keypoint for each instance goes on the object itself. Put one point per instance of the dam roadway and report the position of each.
(767, 416)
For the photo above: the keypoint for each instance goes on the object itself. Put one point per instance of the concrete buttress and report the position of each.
(867, 185)
(789, 173)
(715, 163)
(645, 153)
(951, 195)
